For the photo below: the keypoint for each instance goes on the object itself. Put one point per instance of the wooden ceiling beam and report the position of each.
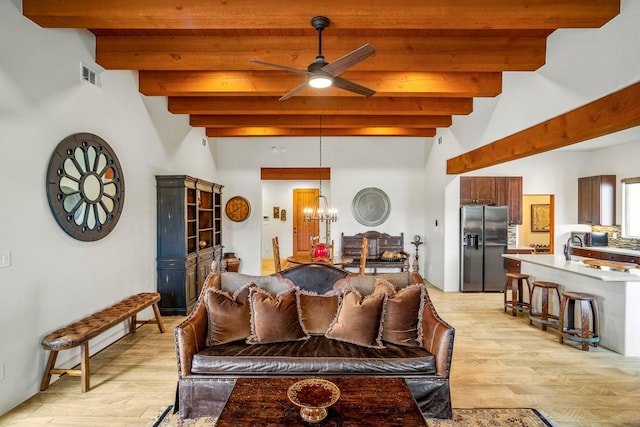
(226, 53)
(277, 83)
(203, 14)
(277, 131)
(305, 105)
(298, 174)
(312, 121)
(612, 113)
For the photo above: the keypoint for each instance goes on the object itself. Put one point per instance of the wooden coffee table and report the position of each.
(363, 401)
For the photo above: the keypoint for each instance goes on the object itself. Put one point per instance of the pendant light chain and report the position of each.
(320, 171)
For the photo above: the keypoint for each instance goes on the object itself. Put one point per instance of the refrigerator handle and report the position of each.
(475, 242)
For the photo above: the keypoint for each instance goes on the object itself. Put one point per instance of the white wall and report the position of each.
(395, 165)
(54, 279)
(583, 65)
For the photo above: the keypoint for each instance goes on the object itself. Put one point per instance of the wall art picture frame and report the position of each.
(276, 212)
(540, 218)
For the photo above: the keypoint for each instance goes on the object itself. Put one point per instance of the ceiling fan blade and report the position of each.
(293, 91)
(352, 58)
(345, 84)
(282, 67)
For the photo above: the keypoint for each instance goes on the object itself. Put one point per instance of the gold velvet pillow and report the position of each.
(359, 319)
(274, 319)
(402, 322)
(317, 311)
(229, 315)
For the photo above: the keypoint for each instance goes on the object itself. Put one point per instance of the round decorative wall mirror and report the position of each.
(85, 186)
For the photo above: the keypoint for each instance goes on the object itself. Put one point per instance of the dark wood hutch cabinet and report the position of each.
(189, 238)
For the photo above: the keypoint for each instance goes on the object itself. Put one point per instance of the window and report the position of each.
(631, 207)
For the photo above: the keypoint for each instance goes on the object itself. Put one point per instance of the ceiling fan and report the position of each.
(321, 74)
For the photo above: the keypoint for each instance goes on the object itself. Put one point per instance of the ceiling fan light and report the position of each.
(320, 82)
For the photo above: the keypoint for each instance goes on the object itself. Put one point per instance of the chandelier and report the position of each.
(321, 211)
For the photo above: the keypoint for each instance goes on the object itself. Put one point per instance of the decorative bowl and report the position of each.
(313, 396)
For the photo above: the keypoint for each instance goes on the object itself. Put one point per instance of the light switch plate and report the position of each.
(5, 259)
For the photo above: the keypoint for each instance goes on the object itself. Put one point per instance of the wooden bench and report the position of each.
(377, 245)
(79, 333)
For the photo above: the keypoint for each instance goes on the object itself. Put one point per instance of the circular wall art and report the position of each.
(371, 206)
(85, 187)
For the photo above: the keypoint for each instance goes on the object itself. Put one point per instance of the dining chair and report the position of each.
(276, 254)
(363, 255)
(320, 251)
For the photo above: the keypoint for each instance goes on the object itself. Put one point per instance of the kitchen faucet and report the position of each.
(567, 247)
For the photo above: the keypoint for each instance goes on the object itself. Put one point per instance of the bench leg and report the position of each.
(133, 323)
(46, 376)
(84, 367)
(156, 312)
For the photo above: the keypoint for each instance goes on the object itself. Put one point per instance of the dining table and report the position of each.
(306, 259)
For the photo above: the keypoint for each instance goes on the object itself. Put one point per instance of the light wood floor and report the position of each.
(499, 361)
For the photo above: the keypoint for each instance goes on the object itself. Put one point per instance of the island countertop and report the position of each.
(617, 295)
(576, 266)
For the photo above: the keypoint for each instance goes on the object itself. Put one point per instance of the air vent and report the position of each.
(89, 75)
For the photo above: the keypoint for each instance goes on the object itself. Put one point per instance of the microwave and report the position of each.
(599, 239)
(593, 238)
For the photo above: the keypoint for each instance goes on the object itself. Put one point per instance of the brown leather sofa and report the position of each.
(207, 374)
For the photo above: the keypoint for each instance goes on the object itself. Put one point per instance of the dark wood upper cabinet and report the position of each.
(477, 190)
(509, 193)
(597, 200)
(491, 190)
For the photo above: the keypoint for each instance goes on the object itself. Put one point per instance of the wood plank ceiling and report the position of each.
(432, 56)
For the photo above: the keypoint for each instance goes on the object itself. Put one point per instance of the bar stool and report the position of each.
(544, 317)
(514, 284)
(588, 308)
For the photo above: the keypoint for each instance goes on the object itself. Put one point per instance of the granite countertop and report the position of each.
(576, 266)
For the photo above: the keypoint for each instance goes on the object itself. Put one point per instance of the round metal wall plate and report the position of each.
(371, 206)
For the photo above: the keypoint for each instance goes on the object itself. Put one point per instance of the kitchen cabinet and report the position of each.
(604, 255)
(479, 190)
(585, 252)
(509, 193)
(492, 190)
(513, 265)
(189, 238)
(597, 200)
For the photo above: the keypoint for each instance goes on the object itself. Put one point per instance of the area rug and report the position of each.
(477, 417)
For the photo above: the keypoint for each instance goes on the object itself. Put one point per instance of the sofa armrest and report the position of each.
(191, 335)
(437, 334)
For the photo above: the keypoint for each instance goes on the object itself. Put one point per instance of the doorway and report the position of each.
(537, 230)
(278, 186)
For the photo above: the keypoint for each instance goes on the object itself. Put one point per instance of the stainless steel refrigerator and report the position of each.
(483, 237)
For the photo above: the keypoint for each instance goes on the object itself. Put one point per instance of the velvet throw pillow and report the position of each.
(317, 311)
(274, 319)
(359, 319)
(228, 315)
(402, 322)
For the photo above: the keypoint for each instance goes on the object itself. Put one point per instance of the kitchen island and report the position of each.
(617, 295)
